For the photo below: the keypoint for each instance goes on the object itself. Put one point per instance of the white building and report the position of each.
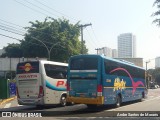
(157, 62)
(1, 51)
(106, 51)
(114, 53)
(126, 45)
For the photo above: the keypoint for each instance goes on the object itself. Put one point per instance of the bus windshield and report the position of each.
(85, 63)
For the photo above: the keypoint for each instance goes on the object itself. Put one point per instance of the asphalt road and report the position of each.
(147, 109)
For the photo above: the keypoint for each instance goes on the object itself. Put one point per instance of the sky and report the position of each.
(109, 18)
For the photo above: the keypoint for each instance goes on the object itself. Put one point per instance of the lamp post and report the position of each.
(48, 50)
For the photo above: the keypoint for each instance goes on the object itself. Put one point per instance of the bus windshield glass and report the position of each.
(85, 63)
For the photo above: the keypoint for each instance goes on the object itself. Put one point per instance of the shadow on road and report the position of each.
(69, 111)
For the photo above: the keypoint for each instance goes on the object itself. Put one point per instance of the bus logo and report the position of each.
(27, 67)
(134, 84)
(118, 84)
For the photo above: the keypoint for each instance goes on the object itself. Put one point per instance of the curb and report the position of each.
(7, 100)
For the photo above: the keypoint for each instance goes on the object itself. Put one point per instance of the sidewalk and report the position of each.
(7, 100)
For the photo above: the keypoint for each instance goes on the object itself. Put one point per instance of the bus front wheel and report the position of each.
(63, 101)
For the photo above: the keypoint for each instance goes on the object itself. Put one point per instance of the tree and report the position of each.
(58, 36)
(157, 13)
(155, 74)
(12, 50)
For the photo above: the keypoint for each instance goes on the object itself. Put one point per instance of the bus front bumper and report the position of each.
(97, 101)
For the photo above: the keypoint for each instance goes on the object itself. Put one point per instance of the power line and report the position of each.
(11, 23)
(31, 8)
(40, 8)
(10, 37)
(92, 41)
(94, 34)
(23, 35)
(17, 31)
(24, 29)
(11, 32)
(55, 10)
(12, 29)
(45, 11)
(19, 39)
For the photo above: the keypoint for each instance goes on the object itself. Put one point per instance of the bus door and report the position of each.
(28, 81)
(84, 80)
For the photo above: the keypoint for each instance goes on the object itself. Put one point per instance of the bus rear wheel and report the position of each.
(142, 98)
(63, 101)
(40, 106)
(118, 101)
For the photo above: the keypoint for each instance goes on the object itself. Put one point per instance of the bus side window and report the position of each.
(55, 71)
(61, 72)
(109, 66)
(60, 75)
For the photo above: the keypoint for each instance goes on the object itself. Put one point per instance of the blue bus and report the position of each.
(97, 80)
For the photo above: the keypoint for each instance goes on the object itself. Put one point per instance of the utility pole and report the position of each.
(98, 50)
(81, 27)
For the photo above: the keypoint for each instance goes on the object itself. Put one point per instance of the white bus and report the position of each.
(41, 82)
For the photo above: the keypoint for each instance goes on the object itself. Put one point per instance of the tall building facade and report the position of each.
(157, 62)
(114, 53)
(127, 45)
(106, 51)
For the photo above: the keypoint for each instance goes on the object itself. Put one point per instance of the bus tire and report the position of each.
(143, 97)
(118, 101)
(39, 106)
(63, 100)
(70, 103)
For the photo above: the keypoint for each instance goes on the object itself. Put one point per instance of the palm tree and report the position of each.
(157, 13)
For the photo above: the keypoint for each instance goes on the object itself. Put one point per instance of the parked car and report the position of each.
(156, 86)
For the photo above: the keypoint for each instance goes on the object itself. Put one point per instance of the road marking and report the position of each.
(151, 96)
(7, 105)
(134, 104)
(19, 105)
(152, 99)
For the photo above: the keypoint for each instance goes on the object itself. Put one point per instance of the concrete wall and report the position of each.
(9, 64)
